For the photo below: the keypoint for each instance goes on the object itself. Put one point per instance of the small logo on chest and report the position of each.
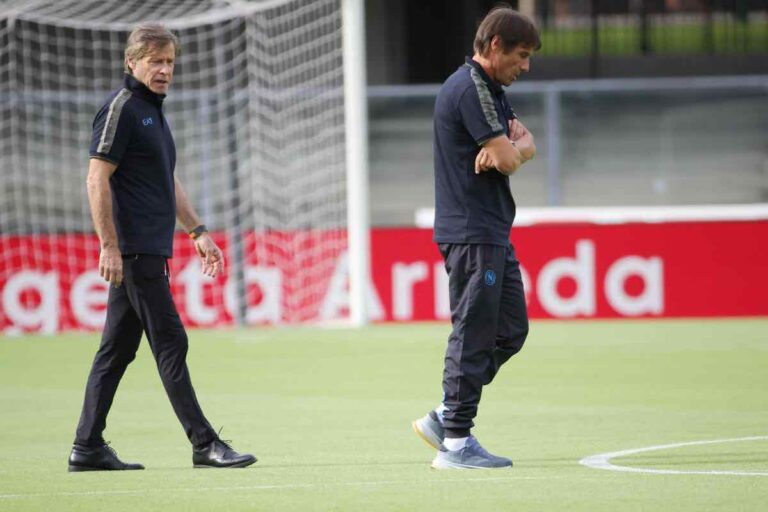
(147, 121)
(490, 277)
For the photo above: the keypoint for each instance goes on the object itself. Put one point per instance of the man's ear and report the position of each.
(496, 43)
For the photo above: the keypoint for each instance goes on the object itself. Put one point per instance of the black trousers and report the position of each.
(142, 303)
(490, 324)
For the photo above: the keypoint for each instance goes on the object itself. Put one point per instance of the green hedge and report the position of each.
(727, 38)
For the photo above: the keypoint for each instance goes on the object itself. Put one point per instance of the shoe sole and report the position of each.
(424, 436)
(243, 464)
(78, 469)
(466, 466)
(81, 469)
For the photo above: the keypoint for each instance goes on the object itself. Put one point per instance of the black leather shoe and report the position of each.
(218, 454)
(100, 458)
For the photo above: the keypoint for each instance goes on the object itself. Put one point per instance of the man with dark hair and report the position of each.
(135, 199)
(478, 144)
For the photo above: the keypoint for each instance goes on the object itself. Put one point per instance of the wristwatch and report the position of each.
(198, 232)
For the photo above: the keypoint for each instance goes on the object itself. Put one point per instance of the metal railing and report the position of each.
(612, 142)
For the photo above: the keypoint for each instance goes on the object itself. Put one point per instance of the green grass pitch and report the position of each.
(328, 413)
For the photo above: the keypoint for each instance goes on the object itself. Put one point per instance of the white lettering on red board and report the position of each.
(336, 301)
(88, 292)
(269, 308)
(404, 277)
(651, 300)
(581, 269)
(88, 299)
(42, 317)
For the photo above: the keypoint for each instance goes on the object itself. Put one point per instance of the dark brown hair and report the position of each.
(146, 38)
(512, 28)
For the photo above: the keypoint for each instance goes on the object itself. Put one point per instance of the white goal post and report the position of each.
(268, 112)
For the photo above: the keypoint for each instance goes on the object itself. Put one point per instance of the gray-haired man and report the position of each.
(135, 199)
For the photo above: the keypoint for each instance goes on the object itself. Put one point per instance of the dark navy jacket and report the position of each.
(131, 131)
(470, 208)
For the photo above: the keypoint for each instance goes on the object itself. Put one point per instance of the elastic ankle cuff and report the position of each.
(456, 432)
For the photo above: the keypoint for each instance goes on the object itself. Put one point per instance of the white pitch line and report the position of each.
(267, 487)
(602, 461)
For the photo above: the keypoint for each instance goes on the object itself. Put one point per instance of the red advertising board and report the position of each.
(686, 269)
(50, 283)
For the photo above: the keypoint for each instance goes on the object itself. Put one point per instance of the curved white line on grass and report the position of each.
(602, 461)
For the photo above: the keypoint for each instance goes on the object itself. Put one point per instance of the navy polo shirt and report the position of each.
(470, 208)
(131, 131)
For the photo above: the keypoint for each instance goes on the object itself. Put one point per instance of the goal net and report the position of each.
(257, 113)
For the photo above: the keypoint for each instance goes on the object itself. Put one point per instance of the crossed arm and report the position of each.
(110, 259)
(506, 155)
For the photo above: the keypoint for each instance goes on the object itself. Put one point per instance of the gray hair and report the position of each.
(146, 38)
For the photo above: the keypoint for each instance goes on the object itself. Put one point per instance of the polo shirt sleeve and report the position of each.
(478, 113)
(112, 130)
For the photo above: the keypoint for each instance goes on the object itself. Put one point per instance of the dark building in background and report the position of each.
(413, 42)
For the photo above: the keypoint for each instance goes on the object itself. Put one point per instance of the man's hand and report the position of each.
(523, 139)
(507, 153)
(517, 130)
(111, 265)
(483, 161)
(211, 257)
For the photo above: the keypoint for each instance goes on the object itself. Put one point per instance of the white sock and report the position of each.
(439, 410)
(455, 443)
